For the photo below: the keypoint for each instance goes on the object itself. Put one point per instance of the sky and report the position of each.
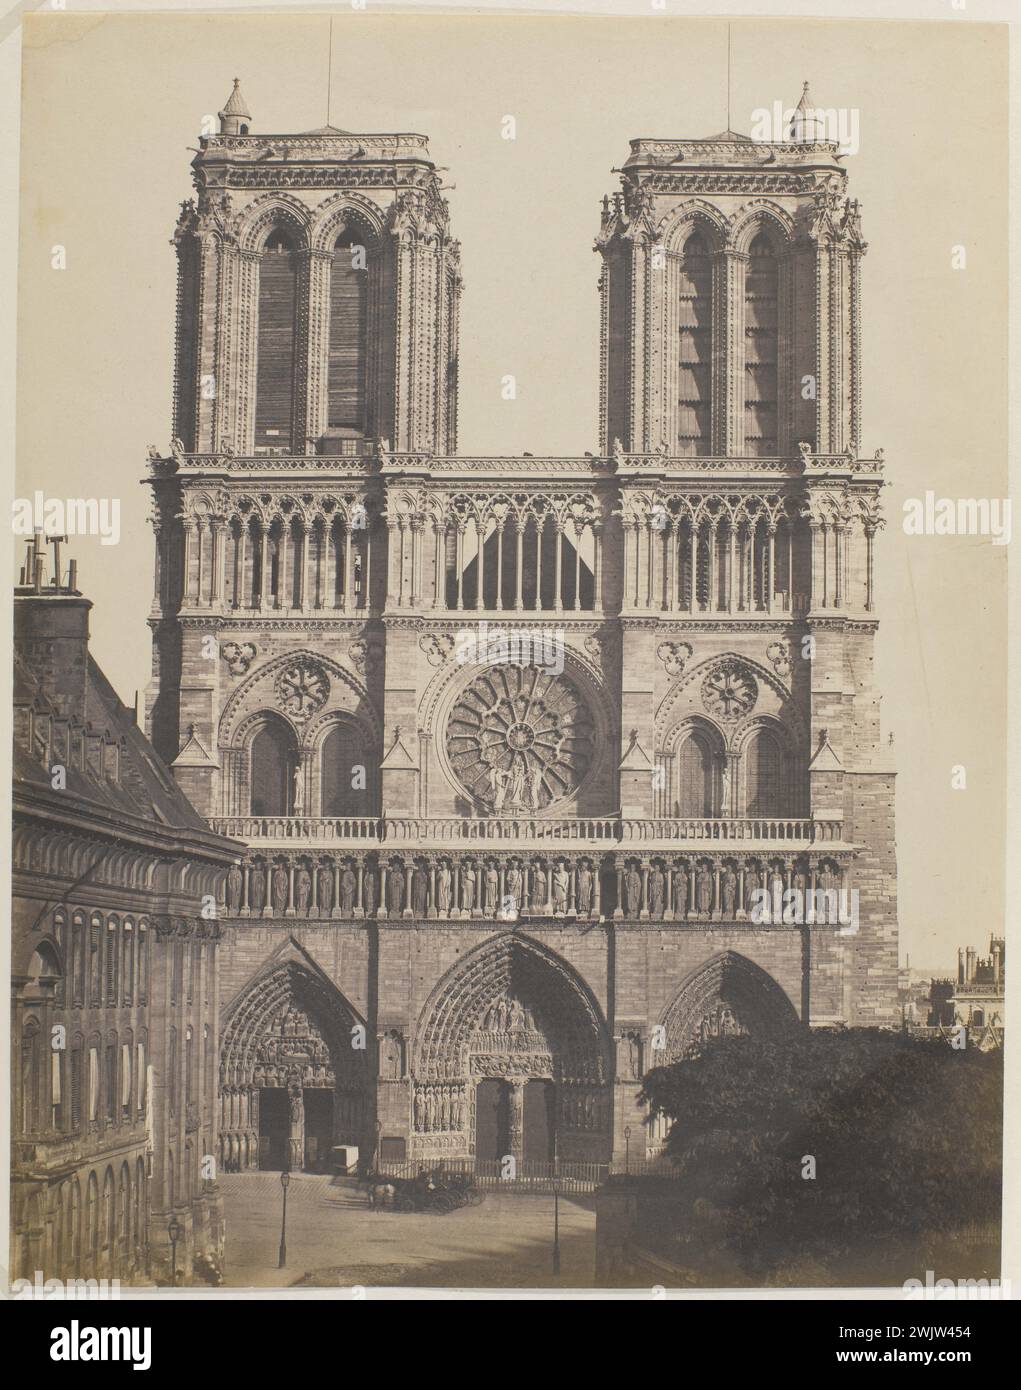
(111, 105)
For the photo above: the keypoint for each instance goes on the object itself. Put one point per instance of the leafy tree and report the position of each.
(903, 1136)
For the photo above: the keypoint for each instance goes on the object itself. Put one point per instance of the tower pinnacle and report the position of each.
(806, 123)
(235, 115)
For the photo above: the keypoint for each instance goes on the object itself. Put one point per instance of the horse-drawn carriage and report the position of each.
(437, 1191)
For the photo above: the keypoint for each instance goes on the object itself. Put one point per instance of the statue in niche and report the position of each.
(776, 890)
(680, 889)
(419, 891)
(513, 886)
(728, 891)
(302, 889)
(633, 891)
(324, 888)
(492, 889)
(629, 1057)
(468, 887)
(535, 779)
(539, 889)
(499, 782)
(348, 885)
(279, 888)
(299, 791)
(234, 880)
(704, 889)
(561, 883)
(395, 888)
(443, 887)
(257, 888)
(369, 885)
(390, 1060)
(516, 797)
(657, 891)
(584, 889)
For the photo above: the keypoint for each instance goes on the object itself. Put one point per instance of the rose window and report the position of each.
(729, 691)
(302, 688)
(519, 738)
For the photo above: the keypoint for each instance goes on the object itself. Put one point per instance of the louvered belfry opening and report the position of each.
(278, 302)
(761, 349)
(694, 376)
(349, 302)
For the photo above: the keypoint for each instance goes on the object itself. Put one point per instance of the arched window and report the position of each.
(78, 959)
(760, 332)
(766, 780)
(272, 771)
(124, 1214)
(30, 1049)
(694, 383)
(96, 961)
(92, 1219)
(143, 962)
(128, 964)
(695, 777)
(73, 1228)
(109, 1211)
(275, 362)
(349, 299)
(348, 773)
(112, 960)
(140, 1210)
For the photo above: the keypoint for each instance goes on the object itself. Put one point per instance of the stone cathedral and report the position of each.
(518, 747)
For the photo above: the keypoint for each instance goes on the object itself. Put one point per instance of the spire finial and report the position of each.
(235, 116)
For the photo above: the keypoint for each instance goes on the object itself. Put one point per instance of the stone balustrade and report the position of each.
(426, 832)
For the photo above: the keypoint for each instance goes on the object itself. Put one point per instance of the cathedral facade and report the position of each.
(520, 749)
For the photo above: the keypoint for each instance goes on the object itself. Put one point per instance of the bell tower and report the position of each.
(731, 298)
(317, 295)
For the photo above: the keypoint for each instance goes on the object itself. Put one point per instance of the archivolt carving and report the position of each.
(290, 1019)
(695, 215)
(761, 215)
(545, 1006)
(265, 214)
(727, 994)
(335, 214)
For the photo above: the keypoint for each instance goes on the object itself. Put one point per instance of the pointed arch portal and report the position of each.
(292, 1084)
(512, 1059)
(728, 994)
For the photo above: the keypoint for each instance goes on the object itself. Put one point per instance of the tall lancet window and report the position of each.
(274, 385)
(760, 398)
(349, 298)
(695, 315)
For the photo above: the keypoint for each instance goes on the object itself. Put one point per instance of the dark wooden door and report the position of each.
(539, 1121)
(274, 1127)
(318, 1129)
(492, 1120)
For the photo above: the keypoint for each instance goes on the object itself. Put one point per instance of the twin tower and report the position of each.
(523, 866)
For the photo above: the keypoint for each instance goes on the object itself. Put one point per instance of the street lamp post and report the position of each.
(285, 1179)
(379, 1144)
(556, 1206)
(174, 1231)
(627, 1149)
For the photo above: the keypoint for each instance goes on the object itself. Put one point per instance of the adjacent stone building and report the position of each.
(115, 1024)
(518, 746)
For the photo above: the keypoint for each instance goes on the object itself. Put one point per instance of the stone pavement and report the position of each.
(335, 1240)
